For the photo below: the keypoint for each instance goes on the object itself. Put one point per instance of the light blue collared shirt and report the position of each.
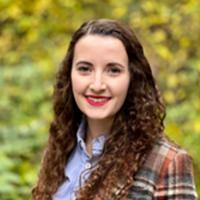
(77, 169)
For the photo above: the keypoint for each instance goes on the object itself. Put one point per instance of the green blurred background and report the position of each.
(34, 36)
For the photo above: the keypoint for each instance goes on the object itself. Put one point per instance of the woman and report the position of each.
(106, 140)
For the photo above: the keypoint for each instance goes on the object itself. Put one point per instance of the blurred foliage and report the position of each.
(33, 40)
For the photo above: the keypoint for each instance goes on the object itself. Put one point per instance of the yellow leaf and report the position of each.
(172, 81)
(197, 125)
(119, 11)
(164, 52)
(169, 97)
(173, 131)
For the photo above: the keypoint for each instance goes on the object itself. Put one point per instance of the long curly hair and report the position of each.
(136, 127)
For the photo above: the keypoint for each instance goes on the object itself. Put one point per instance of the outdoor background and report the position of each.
(34, 36)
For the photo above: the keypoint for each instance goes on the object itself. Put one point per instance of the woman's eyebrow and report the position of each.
(83, 62)
(110, 64)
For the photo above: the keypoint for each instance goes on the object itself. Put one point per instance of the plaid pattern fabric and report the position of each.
(167, 174)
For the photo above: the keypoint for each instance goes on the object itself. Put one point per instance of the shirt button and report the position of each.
(88, 165)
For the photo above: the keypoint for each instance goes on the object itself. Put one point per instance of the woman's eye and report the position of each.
(84, 69)
(114, 70)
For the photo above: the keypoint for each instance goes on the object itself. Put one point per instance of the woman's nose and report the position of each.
(97, 84)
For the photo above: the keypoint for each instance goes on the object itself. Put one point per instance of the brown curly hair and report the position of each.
(136, 127)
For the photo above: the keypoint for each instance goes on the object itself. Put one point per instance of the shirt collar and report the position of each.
(97, 148)
(71, 163)
(80, 135)
(97, 143)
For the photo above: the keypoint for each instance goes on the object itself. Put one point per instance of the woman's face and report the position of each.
(100, 76)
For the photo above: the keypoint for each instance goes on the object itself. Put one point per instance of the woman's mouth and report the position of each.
(97, 100)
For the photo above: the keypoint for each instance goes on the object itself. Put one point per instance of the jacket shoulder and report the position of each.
(156, 163)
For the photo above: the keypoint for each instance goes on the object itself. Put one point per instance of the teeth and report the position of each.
(98, 100)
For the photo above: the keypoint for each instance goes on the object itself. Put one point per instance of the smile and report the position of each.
(97, 100)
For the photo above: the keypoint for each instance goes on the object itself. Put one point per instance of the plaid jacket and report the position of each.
(167, 174)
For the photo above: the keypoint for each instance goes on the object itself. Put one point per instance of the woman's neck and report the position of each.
(96, 128)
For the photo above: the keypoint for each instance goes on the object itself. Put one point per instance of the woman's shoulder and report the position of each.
(167, 168)
(164, 154)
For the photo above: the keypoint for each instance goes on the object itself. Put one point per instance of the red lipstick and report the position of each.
(97, 101)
